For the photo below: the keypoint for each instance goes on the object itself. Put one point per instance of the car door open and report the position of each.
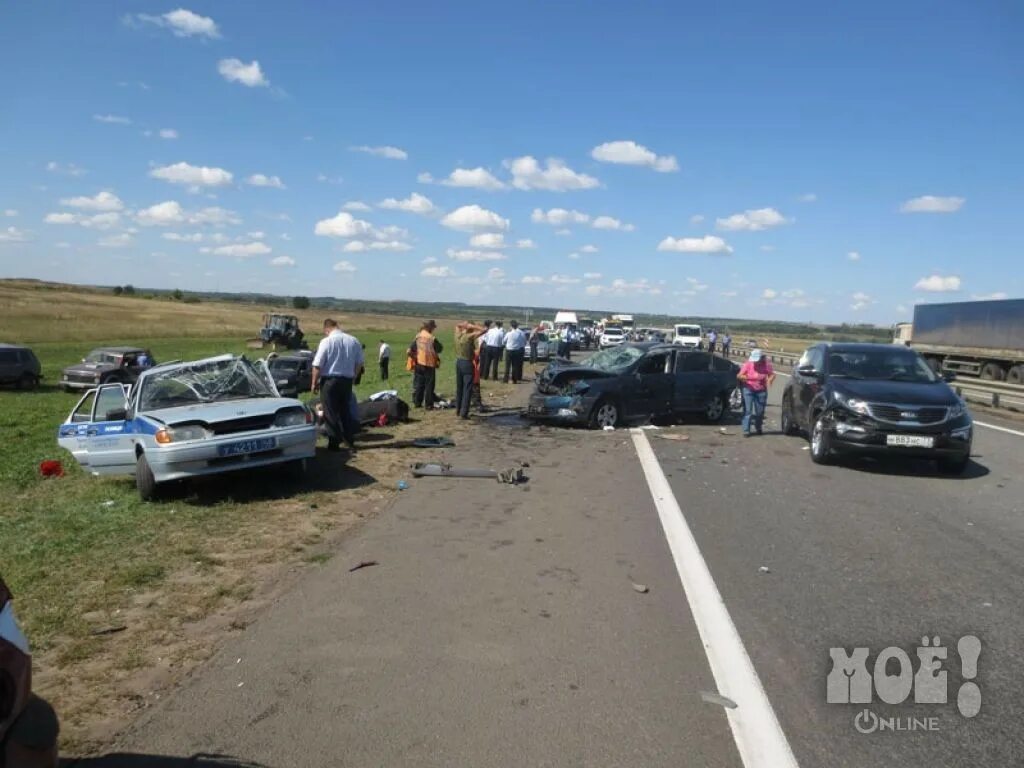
(98, 433)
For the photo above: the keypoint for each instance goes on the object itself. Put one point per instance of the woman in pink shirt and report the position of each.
(755, 376)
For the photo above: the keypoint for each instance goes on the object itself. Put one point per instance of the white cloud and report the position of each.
(237, 71)
(113, 119)
(729, 294)
(391, 153)
(574, 255)
(472, 178)
(938, 284)
(933, 204)
(355, 246)
(592, 275)
(565, 280)
(168, 133)
(861, 298)
(161, 214)
(214, 216)
(429, 260)
(858, 305)
(563, 232)
(178, 237)
(495, 273)
(752, 220)
(488, 240)
(555, 176)
(769, 293)
(285, 236)
(415, 203)
(121, 240)
(424, 178)
(183, 23)
(343, 225)
(766, 248)
(10, 213)
(525, 244)
(853, 256)
(631, 153)
(588, 249)
(345, 266)
(696, 284)
(256, 235)
(282, 261)
(69, 170)
(607, 222)
(13, 235)
(98, 221)
(901, 309)
(706, 244)
(192, 175)
(261, 180)
(697, 218)
(356, 205)
(623, 287)
(471, 255)
(242, 250)
(532, 280)
(810, 197)
(558, 217)
(442, 271)
(323, 177)
(359, 246)
(102, 201)
(471, 218)
(997, 296)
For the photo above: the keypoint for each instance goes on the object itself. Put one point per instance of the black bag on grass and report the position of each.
(395, 408)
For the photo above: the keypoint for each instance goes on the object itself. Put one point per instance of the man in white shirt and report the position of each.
(515, 351)
(337, 363)
(384, 359)
(495, 341)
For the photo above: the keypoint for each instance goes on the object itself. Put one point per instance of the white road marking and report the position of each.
(755, 729)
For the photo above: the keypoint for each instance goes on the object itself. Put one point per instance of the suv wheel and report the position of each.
(28, 381)
(821, 442)
(714, 410)
(787, 424)
(605, 414)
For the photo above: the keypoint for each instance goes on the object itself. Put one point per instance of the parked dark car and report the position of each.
(19, 366)
(876, 399)
(632, 383)
(292, 373)
(106, 365)
(28, 725)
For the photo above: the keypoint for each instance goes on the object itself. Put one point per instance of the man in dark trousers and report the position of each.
(515, 350)
(337, 363)
(495, 349)
(428, 349)
(485, 358)
(466, 335)
(384, 359)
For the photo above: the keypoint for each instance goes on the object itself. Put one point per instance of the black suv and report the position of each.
(876, 399)
(19, 366)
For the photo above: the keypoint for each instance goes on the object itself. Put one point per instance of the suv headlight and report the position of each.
(958, 410)
(293, 418)
(852, 404)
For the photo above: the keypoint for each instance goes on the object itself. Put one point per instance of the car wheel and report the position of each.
(992, 372)
(787, 424)
(953, 467)
(145, 483)
(821, 442)
(715, 409)
(605, 414)
(28, 381)
(1016, 375)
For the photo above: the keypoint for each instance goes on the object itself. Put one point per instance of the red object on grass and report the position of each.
(51, 468)
(382, 420)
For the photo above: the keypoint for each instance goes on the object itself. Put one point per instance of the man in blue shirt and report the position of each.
(336, 365)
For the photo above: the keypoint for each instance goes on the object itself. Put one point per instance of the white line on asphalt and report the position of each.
(755, 729)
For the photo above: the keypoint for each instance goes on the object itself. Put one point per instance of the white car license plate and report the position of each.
(912, 441)
(247, 446)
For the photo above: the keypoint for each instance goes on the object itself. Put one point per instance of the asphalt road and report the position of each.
(502, 626)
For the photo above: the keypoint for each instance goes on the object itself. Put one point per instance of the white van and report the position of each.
(688, 335)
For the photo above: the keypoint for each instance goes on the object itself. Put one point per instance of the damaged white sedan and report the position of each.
(183, 420)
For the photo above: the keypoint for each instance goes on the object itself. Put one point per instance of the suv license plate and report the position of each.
(913, 441)
(247, 446)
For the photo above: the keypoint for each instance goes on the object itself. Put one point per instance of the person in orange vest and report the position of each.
(428, 350)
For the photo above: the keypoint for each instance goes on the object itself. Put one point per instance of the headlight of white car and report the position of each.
(852, 403)
(182, 434)
(293, 417)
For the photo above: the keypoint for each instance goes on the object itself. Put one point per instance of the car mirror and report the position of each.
(117, 414)
(809, 370)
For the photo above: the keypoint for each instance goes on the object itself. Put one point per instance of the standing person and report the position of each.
(384, 359)
(428, 349)
(755, 376)
(712, 340)
(495, 340)
(476, 399)
(534, 344)
(726, 344)
(466, 335)
(336, 364)
(484, 351)
(515, 351)
(564, 348)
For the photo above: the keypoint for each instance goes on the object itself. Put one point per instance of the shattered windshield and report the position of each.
(614, 360)
(203, 382)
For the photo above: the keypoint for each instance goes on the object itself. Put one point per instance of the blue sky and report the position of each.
(805, 160)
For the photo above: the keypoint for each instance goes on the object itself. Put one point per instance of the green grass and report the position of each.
(77, 543)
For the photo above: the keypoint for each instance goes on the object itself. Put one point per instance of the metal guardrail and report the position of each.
(994, 394)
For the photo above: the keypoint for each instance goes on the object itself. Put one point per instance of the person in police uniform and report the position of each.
(336, 365)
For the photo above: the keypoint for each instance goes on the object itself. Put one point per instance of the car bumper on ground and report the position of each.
(946, 441)
(564, 409)
(214, 455)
